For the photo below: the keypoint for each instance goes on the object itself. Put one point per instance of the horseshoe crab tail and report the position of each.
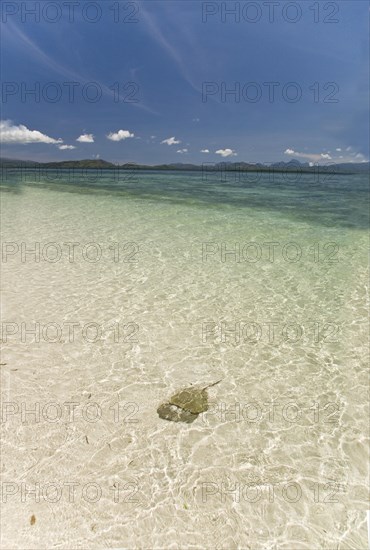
(214, 384)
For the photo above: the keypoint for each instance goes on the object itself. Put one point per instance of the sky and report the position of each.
(185, 81)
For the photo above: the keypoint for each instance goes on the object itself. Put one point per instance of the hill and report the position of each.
(292, 166)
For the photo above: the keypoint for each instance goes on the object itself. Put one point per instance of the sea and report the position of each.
(121, 288)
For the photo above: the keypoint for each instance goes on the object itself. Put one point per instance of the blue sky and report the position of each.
(162, 54)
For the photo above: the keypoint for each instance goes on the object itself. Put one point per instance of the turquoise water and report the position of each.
(262, 284)
(327, 199)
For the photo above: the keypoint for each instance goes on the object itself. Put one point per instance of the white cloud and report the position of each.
(120, 135)
(317, 157)
(21, 134)
(63, 147)
(153, 137)
(313, 157)
(359, 157)
(182, 151)
(171, 141)
(204, 150)
(196, 119)
(86, 138)
(226, 153)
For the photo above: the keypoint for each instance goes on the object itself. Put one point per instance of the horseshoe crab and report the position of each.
(185, 405)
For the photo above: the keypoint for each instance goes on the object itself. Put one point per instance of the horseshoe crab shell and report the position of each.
(176, 414)
(186, 404)
(194, 400)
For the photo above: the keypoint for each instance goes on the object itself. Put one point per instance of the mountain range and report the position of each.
(292, 165)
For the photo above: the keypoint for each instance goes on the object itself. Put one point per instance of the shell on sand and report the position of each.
(193, 400)
(167, 411)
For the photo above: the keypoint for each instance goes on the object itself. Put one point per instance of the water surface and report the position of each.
(261, 283)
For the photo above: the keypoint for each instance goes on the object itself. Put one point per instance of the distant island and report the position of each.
(291, 166)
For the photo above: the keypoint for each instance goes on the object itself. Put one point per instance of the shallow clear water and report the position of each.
(262, 284)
